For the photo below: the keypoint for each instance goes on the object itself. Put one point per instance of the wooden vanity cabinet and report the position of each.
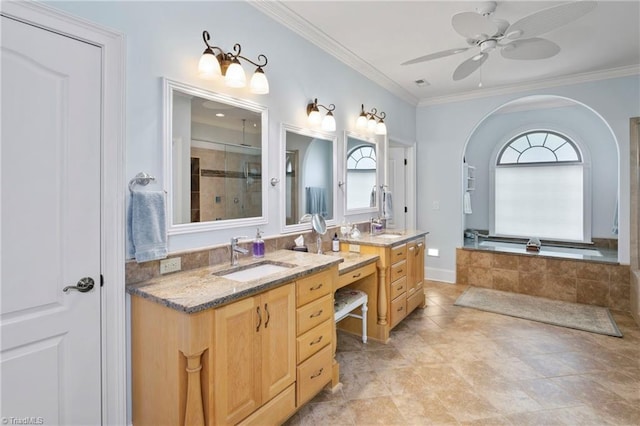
(254, 361)
(415, 274)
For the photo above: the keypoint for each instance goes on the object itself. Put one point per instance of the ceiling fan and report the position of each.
(519, 40)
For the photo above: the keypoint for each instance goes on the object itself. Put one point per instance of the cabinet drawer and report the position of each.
(398, 253)
(398, 309)
(398, 287)
(313, 375)
(415, 300)
(398, 270)
(355, 275)
(313, 340)
(313, 287)
(274, 412)
(314, 313)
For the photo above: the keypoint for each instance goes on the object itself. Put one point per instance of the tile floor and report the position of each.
(447, 365)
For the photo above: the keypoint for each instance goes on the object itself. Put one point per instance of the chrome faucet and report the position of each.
(476, 236)
(235, 249)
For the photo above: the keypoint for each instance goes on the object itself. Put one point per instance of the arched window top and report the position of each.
(539, 146)
(362, 158)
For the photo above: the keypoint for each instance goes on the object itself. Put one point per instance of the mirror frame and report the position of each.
(371, 140)
(169, 86)
(284, 128)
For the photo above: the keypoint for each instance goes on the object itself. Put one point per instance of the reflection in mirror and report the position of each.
(362, 178)
(214, 158)
(309, 176)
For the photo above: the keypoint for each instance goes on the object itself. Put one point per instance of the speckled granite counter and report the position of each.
(199, 289)
(389, 238)
(352, 261)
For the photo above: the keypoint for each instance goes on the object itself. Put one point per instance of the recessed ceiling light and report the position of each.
(421, 82)
(219, 114)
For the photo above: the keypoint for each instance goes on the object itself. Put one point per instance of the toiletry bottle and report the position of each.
(258, 245)
(335, 243)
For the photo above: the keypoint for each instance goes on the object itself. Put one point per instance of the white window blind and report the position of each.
(540, 201)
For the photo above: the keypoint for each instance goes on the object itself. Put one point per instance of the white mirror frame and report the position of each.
(283, 193)
(374, 141)
(169, 86)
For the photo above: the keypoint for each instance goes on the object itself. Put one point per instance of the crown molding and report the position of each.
(534, 85)
(285, 16)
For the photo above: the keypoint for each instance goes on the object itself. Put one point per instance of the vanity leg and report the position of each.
(194, 413)
(382, 296)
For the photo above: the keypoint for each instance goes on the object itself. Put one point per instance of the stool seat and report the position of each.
(346, 300)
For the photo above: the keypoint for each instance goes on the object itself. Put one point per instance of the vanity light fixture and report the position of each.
(372, 121)
(315, 118)
(214, 65)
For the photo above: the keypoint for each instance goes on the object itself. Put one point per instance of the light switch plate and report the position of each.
(170, 265)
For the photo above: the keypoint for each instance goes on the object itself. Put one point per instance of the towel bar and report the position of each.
(141, 178)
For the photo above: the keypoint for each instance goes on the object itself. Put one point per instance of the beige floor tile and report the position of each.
(548, 394)
(427, 410)
(362, 385)
(376, 411)
(466, 405)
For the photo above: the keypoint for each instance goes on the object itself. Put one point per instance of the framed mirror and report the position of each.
(362, 189)
(215, 160)
(309, 177)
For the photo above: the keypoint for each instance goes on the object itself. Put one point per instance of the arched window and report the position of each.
(362, 158)
(539, 188)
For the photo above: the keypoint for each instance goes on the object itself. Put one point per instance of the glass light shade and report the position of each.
(209, 67)
(381, 128)
(314, 116)
(361, 122)
(259, 83)
(329, 123)
(371, 124)
(235, 76)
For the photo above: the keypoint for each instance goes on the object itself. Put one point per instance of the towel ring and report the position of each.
(141, 178)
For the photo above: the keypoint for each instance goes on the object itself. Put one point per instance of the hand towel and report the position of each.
(387, 205)
(146, 226)
(316, 200)
(467, 203)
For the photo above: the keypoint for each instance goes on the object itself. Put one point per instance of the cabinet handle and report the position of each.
(400, 288)
(319, 373)
(399, 271)
(316, 287)
(400, 308)
(357, 275)
(259, 318)
(316, 314)
(315, 342)
(266, 310)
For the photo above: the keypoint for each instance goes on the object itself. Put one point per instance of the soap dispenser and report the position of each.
(258, 245)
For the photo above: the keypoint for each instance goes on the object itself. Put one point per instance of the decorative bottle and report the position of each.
(335, 243)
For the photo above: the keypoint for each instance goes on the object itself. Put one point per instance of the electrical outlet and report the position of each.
(355, 248)
(170, 265)
(433, 252)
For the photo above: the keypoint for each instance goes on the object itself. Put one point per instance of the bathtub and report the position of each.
(551, 251)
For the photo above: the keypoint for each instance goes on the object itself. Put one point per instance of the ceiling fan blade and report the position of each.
(530, 48)
(549, 19)
(469, 66)
(473, 25)
(435, 55)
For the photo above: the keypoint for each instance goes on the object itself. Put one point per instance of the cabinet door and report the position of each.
(237, 360)
(411, 268)
(278, 340)
(419, 266)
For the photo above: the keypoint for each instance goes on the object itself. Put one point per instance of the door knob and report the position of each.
(83, 286)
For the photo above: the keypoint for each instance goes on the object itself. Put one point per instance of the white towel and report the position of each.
(146, 227)
(466, 203)
(387, 205)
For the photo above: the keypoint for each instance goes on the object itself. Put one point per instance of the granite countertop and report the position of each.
(389, 238)
(352, 261)
(199, 289)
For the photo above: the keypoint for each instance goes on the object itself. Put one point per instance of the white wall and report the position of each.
(443, 131)
(164, 39)
(579, 123)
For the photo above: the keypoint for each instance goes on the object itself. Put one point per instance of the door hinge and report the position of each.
(405, 161)
(406, 210)
(102, 279)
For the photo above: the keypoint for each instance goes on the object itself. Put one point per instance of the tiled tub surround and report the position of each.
(581, 281)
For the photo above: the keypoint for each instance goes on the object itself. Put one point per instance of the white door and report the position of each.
(397, 186)
(50, 227)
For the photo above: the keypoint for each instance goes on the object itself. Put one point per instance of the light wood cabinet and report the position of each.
(254, 353)
(253, 361)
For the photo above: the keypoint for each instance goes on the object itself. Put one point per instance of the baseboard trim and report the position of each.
(436, 274)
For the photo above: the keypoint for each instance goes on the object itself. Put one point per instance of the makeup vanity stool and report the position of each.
(346, 300)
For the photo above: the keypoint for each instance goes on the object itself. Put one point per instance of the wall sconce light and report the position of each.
(367, 121)
(314, 116)
(228, 65)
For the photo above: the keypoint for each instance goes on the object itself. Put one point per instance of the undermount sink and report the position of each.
(254, 271)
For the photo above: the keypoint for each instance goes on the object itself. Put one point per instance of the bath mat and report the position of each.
(590, 318)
